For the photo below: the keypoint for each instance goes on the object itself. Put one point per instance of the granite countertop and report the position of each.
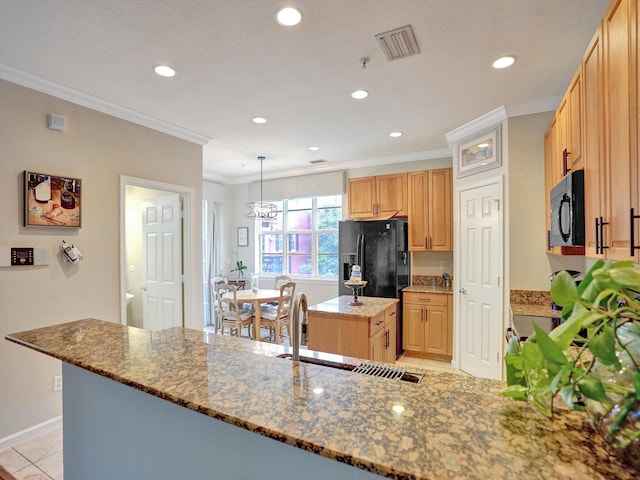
(449, 426)
(535, 310)
(371, 306)
(428, 289)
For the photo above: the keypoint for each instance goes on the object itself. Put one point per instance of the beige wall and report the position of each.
(98, 149)
(529, 264)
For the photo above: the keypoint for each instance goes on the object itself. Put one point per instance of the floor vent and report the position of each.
(387, 371)
(398, 43)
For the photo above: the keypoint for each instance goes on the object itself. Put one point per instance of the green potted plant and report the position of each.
(240, 268)
(592, 359)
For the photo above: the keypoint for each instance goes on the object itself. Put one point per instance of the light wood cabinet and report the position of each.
(370, 338)
(430, 217)
(620, 45)
(384, 196)
(608, 84)
(427, 325)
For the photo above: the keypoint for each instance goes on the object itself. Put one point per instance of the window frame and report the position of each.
(313, 232)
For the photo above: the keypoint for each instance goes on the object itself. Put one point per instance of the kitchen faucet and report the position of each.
(296, 338)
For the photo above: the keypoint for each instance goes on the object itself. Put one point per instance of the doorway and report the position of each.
(480, 278)
(154, 253)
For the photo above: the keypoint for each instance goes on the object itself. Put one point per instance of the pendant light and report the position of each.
(261, 210)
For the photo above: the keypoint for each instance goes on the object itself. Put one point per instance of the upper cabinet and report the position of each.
(381, 197)
(565, 133)
(431, 211)
(604, 95)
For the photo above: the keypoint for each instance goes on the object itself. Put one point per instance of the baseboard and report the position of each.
(29, 433)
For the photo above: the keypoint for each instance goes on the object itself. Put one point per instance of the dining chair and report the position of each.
(231, 312)
(278, 317)
(278, 281)
(213, 284)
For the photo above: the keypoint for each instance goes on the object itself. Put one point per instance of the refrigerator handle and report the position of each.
(360, 250)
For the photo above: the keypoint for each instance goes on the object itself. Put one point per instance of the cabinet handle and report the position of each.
(565, 163)
(424, 299)
(632, 232)
(597, 235)
(602, 245)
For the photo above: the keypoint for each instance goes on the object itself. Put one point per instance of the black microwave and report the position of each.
(567, 211)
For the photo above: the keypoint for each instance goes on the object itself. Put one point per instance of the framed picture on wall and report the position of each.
(480, 153)
(51, 201)
(243, 236)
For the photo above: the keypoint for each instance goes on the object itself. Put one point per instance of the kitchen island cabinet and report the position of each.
(180, 403)
(363, 331)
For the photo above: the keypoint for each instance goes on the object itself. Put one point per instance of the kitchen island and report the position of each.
(366, 330)
(180, 403)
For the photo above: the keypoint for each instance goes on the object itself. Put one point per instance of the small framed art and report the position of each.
(243, 236)
(480, 154)
(52, 201)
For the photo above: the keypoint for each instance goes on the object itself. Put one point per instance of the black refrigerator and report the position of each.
(380, 248)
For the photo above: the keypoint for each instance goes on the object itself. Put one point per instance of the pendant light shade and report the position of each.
(261, 210)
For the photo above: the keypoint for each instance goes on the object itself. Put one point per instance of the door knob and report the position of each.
(463, 291)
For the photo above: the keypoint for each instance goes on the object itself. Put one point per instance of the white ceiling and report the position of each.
(234, 62)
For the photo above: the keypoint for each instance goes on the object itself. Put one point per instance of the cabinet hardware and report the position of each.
(632, 246)
(565, 166)
(549, 240)
(602, 245)
(597, 235)
(424, 299)
(463, 291)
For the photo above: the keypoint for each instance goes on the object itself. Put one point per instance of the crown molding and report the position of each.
(330, 167)
(54, 89)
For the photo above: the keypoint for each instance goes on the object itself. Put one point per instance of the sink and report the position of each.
(129, 297)
(366, 368)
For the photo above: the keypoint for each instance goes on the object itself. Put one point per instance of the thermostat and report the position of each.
(23, 256)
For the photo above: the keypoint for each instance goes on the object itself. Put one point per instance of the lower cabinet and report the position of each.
(427, 323)
(369, 338)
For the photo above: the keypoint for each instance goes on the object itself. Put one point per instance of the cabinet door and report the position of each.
(390, 331)
(561, 164)
(437, 331)
(391, 193)
(621, 124)
(377, 346)
(596, 175)
(440, 210)
(574, 124)
(418, 214)
(362, 197)
(413, 327)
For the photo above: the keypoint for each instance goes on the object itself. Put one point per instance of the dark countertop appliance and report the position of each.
(380, 248)
(567, 211)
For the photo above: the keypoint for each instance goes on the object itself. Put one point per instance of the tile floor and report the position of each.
(37, 459)
(41, 458)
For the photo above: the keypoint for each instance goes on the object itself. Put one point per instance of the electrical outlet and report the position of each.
(57, 383)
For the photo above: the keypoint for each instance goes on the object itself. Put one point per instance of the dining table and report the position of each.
(255, 297)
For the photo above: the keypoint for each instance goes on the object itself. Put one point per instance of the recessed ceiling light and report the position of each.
(360, 94)
(259, 120)
(395, 134)
(314, 149)
(288, 16)
(164, 70)
(504, 62)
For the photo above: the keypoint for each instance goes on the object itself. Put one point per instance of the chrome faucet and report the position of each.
(296, 338)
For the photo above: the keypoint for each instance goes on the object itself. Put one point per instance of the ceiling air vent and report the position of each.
(320, 160)
(398, 43)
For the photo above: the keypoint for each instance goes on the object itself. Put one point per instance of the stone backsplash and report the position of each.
(430, 280)
(531, 297)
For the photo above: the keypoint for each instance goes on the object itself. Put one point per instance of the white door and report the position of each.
(162, 266)
(480, 291)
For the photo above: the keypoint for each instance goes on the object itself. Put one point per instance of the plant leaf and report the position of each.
(564, 334)
(563, 290)
(628, 277)
(591, 387)
(517, 392)
(603, 346)
(636, 384)
(588, 278)
(550, 350)
(567, 394)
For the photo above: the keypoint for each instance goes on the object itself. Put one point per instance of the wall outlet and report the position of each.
(57, 383)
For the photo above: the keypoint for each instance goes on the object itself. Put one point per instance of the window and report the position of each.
(303, 239)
